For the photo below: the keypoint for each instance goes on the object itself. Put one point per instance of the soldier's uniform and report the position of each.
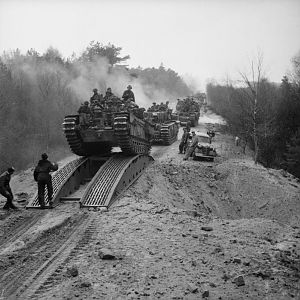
(128, 94)
(5, 189)
(183, 141)
(84, 113)
(191, 147)
(43, 177)
(96, 98)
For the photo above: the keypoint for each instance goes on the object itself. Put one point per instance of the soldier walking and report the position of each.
(43, 177)
(5, 189)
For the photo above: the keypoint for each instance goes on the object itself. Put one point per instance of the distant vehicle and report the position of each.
(166, 129)
(188, 110)
(204, 150)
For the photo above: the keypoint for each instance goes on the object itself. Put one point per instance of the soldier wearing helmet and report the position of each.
(96, 98)
(5, 189)
(108, 95)
(128, 94)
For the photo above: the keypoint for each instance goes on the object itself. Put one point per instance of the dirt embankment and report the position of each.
(184, 230)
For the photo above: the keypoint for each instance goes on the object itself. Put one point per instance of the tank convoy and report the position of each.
(166, 129)
(106, 123)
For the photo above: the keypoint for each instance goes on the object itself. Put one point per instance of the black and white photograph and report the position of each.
(149, 149)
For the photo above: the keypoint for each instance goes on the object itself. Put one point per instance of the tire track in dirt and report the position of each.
(22, 263)
(52, 270)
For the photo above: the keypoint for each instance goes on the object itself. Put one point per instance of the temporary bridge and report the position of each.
(95, 181)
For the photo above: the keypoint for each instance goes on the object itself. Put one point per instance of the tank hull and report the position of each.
(119, 129)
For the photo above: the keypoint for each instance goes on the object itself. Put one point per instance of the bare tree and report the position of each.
(253, 84)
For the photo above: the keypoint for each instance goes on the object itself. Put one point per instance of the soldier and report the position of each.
(192, 146)
(43, 178)
(183, 140)
(128, 94)
(5, 189)
(108, 94)
(96, 97)
(211, 134)
(162, 107)
(152, 107)
(84, 113)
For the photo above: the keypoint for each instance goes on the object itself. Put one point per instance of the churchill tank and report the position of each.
(188, 110)
(95, 130)
(166, 129)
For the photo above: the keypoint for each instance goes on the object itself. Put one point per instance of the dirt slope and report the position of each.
(184, 230)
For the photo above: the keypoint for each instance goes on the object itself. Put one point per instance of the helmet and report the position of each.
(44, 156)
(109, 89)
(86, 102)
(95, 90)
(129, 87)
(11, 169)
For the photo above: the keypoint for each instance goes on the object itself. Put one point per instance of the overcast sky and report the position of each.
(204, 39)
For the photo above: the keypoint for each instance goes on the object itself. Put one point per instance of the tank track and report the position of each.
(128, 143)
(72, 135)
(169, 133)
(75, 142)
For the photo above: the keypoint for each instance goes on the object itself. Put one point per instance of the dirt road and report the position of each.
(184, 230)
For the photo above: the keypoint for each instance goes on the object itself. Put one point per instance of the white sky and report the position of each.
(204, 38)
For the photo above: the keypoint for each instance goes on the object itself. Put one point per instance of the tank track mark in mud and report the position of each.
(76, 144)
(130, 142)
(64, 181)
(52, 271)
(116, 175)
(169, 133)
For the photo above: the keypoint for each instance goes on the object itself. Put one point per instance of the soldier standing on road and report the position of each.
(128, 94)
(43, 178)
(192, 147)
(183, 140)
(5, 189)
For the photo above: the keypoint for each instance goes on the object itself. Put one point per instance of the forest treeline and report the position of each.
(38, 90)
(265, 115)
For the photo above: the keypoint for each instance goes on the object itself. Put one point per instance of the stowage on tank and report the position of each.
(108, 122)
(166, 129)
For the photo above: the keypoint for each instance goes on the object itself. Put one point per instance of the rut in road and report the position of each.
(52, 271)
(23, 262)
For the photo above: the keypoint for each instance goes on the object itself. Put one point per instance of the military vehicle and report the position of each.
(109, 126)
(166, 129)
(188, 111)
(204, 150)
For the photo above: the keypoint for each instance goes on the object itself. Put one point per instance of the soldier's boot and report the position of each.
(50, 203)
(42, 204)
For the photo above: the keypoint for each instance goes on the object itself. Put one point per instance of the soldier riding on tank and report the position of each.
(128, 94)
